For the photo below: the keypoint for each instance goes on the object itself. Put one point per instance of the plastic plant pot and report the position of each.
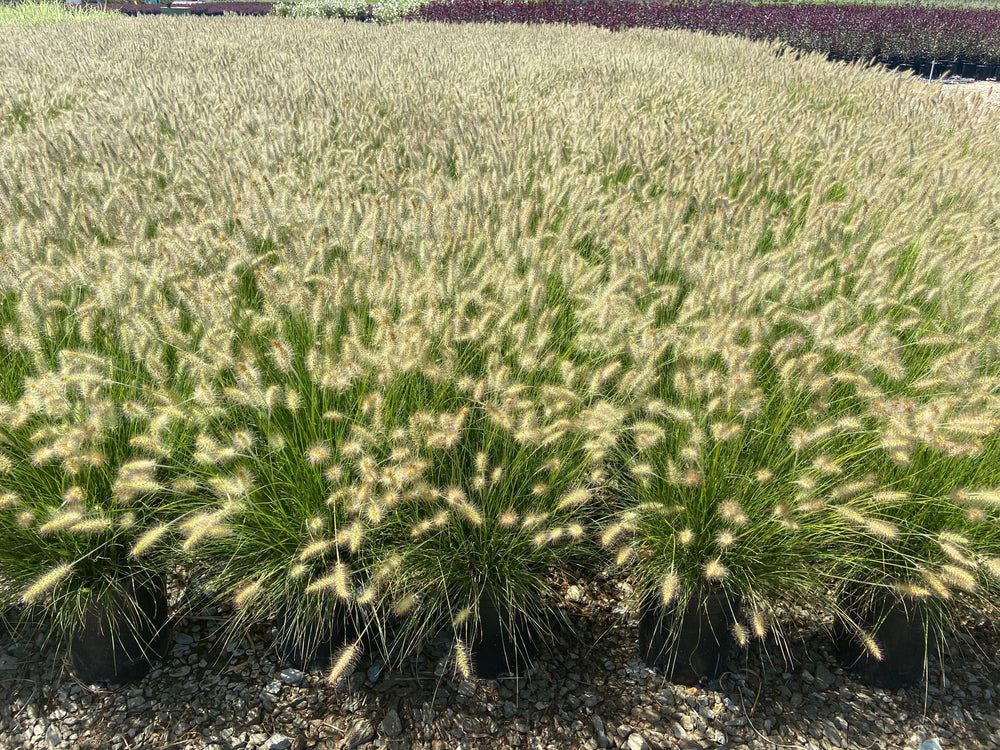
(906, 65)
(307, 643)
(940, 70)
(120, 641)
(899, 630)
(695, 651)
(503, 643)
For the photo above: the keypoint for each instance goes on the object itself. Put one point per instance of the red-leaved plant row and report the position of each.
(843, 31)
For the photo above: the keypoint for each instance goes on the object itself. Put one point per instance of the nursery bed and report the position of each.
(464, 308)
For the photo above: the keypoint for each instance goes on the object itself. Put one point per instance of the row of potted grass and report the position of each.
(373, 486)
(381, 11)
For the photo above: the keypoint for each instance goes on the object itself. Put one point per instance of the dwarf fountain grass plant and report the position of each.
(88, 457)
(780, 467)
(373, 464)
(280, 527)
(80, 491)
(509, 472)
(921, 502)
(714, 477)
(928, 423)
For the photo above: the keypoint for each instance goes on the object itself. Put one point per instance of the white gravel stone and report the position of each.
(277, 742)
(52, 736)
(291, 676)
(273, 687)
(360, 732)
(391, 725)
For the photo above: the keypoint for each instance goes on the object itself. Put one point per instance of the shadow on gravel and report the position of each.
(587, 691)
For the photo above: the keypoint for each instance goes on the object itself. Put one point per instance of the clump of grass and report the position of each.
(282, 522)
(36, 13)
(774, 464)
(374, 463)
(510, 476)
(920, 497)
(83, 499)
(715, 502)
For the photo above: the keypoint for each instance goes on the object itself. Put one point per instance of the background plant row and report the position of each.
(853, 32)
(888, 32)
(465, 306)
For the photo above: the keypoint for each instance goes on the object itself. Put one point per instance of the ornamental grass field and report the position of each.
(392, 324)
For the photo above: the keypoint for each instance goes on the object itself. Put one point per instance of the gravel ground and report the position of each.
(589, 691)
(978, 92)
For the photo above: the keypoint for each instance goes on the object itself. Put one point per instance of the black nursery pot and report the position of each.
(901, 634)
(701, 646)
(312, 642)
(110, 646)
(504, 642)
(929, 67)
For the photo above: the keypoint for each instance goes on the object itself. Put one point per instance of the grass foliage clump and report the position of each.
(83, 487)
(397, 340)
(36, 13)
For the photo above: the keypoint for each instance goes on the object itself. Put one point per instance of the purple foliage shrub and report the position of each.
(844, 31)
